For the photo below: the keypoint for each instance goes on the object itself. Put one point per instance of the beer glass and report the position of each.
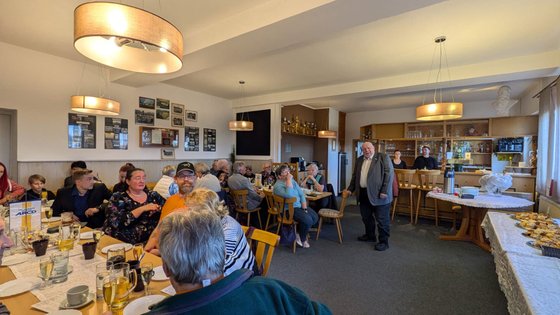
(125, 279)
(67, 234)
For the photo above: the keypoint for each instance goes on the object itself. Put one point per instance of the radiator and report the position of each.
(547, 205)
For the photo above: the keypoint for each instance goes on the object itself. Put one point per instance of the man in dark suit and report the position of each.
(372, 182)
(84, 199)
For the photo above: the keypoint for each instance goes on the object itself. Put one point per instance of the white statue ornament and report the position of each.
(504, 102)
(495, 184)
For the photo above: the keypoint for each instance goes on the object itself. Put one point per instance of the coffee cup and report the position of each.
(77, 295)
(40, 246)
(89, 250)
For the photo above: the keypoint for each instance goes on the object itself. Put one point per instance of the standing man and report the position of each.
(372, 182)
(83, 198)
(425, 161)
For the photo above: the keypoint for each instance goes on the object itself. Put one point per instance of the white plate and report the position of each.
(159, 275)
(64, 304)
(126, 246)
(65, 312)
(18, 286)
(140, 306)
(52, 219)
(15, 259)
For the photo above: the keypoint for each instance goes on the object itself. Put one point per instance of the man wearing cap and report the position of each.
(425, 161)
(185, 178)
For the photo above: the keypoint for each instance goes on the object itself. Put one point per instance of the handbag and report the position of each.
(287, 234)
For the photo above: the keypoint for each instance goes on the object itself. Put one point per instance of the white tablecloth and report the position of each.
(530, 281)
(485, 201)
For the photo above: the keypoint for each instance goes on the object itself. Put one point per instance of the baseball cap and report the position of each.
(185, 167)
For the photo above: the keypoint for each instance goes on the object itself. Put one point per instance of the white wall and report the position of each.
(39, 87)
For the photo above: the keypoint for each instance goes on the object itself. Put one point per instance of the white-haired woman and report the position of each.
(316, 182)
(238, 252)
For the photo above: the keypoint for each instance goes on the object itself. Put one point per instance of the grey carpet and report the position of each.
(418, 274)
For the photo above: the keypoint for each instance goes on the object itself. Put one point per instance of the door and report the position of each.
(8, 141)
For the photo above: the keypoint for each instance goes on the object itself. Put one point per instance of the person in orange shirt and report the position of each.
(185, 178)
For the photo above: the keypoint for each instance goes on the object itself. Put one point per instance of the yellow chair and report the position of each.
(405, 178)
(263, 244)
(286, 216)
(151, 185)
(272, 210)
(337, 215)
(240, 200)
(427, 180)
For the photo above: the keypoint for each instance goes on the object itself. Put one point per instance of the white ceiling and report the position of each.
(353, 55)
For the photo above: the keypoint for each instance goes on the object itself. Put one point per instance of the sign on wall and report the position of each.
(116, 133)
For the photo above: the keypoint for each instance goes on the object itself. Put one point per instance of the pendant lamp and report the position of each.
(128, 38)
(439, 110)
(326, 134)
(241, 125)
(96, 105)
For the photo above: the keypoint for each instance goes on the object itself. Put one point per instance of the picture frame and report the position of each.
(167, 154)
(177, 109)
(191, 115)
(162, 114)
(162, 103)
(144, 117)
(177, 121)
(146, 102)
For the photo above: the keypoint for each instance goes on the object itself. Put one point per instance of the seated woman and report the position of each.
(238, 252)
(133, 215)
(316, 182)
(9, 190)
(37, 183)
(287, 187)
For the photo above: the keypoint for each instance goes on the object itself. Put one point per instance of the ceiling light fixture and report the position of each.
(439, 110)
(241, 125)
(93, 104)
(326, 134)
(127, 37)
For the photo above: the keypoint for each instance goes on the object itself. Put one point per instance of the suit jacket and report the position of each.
(65, 202)
(379, 179)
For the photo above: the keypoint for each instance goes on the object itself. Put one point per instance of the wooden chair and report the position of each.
(337, 215)
(427, 180)
(405, 178)
(240, 200)
(272, 210)
(263, 244)
(286, 216)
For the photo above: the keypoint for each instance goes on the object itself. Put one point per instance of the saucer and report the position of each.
(64, 304)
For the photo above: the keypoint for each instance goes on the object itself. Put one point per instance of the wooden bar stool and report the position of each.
(427, 180)
(405, 178)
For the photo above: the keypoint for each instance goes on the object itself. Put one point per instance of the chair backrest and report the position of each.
(286, 215)
(343, 204)
(263, 244)
(427, 179)
(270, 201)
(405, 178)
(240, 198)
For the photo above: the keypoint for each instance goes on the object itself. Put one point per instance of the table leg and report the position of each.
(470, 229)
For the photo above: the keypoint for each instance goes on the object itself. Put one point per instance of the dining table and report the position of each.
(29, 302)
(473, 212)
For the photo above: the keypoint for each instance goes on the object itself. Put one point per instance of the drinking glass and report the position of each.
(137, 251)
(147, 272)
(67, 234)
(46, 266)
(116, 255)
(109, 290)
(97, 235)
(43, 198)
(123, 276)
(102, 270)
(60, 268)
(48, 212)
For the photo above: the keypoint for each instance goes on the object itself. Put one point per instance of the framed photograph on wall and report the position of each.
(162, 103)
(177, 109)
(192, 135)
(167, 154)
(144, 117)
(191, 115)
(146, 102)
(177, 121)
(162, 114)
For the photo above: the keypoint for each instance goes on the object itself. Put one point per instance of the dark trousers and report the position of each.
(306, 219)
(372, 215)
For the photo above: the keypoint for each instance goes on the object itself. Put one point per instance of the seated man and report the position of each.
(238, 181)
(83, 199)
(205, 179)
(37, 183)
(195, 270)
(268, 176)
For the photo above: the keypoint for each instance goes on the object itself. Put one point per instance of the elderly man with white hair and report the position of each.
(192, 249)
(205, 179)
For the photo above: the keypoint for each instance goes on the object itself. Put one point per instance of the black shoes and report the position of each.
(366, 238)
(381, 246)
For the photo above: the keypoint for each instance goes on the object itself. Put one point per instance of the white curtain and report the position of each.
(548, 157)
